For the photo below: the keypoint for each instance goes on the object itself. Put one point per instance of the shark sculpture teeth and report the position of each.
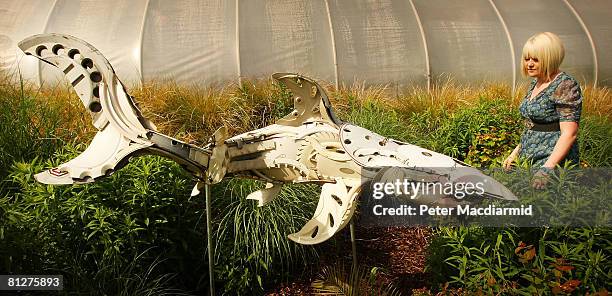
(310, 144)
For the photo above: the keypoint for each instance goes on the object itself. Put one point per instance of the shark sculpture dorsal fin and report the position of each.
(310, 101)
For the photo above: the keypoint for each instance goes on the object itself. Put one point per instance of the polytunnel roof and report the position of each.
(401, 42)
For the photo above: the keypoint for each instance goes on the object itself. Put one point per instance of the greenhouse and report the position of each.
(398, 42)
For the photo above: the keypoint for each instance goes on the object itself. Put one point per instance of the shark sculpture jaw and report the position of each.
(309, 145)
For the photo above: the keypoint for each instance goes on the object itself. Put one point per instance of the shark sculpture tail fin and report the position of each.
(122, 129)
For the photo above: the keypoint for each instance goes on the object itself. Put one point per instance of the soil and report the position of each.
(400, 252)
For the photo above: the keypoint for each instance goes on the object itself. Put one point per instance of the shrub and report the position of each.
(139, 232)
(101, 234)
(534, 260)
(140, 228)
(252, 245)
(523, 261)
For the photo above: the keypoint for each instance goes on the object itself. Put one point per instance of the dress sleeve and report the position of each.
(568, 100)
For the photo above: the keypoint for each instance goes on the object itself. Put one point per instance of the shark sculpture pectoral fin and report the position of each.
(334, 210)
(266, 195)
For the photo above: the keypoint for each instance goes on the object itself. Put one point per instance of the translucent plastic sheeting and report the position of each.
(113, 27)
(371, 41)
(18, 20)
(596, 15)
(527, 17)
(465, 39)
(378, 41)
(194, 41)
(285, 36)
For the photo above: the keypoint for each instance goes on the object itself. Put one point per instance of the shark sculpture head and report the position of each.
(309, 145)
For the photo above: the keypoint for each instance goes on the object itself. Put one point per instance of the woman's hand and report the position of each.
(509, 161)
(541, 178)
(511, 158)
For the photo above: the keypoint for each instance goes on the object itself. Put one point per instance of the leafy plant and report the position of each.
(499, 261)
(110, 231)
(252, 246)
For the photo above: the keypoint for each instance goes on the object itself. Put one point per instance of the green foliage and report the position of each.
(477, 134)
(27, 127)
(492, 143)
(115, 231)
(376, 117)
(256, 105)
(138, 232)
(252, 245)
(595, 144)
(104, 235)
(523, 261)
(534, 260)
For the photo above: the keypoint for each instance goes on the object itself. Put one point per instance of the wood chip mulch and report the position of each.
(400, 252)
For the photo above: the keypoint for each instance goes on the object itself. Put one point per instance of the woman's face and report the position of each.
(533, 66)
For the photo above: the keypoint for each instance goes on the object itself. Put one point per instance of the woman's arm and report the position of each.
(569, 132)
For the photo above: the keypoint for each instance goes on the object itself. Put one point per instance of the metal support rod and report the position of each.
(591, 42)
(510, 44)
(211, 261)
(424, 40)
(353, 244)
(333, 44)
(237, 34)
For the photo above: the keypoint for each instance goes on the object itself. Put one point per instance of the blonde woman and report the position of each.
(551, 108)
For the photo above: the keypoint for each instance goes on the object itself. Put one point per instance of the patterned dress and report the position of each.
(560, 101)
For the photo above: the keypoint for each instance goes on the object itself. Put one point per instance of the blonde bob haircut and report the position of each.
(548, 49)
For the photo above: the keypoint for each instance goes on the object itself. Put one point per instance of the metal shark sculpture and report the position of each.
(309, 145)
